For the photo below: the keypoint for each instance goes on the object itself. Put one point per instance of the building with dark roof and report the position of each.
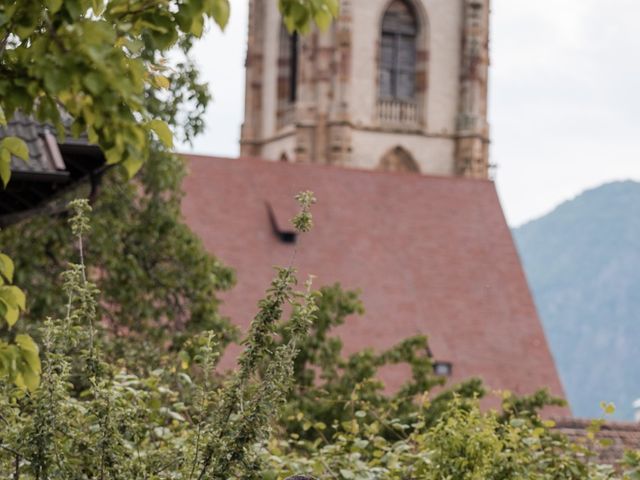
(53, 166)
(396, 92)
(431, 255)
(609, 442)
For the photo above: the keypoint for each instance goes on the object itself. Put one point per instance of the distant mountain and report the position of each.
(583, 265)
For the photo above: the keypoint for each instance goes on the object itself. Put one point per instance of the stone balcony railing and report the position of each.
(399, 114)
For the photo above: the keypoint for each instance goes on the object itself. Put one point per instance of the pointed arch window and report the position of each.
(397, 70)
(288, 58)
(398, 160)
(288, 66)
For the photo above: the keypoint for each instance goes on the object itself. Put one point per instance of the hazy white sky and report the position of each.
(564, 97)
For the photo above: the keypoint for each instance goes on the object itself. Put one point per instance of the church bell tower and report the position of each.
(395, 85)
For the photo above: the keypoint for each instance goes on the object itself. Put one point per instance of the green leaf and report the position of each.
(161, 81)
(163, 40)
(98, 7)
(605, 442)
(132, 165)
(299, 13)
(11, 314)
(5, 166)
(94, 81)
(3, 119)
(290, 23)
(13, 296)
(53, 5)
(26, 22)
(517, 422)
(163, 132)
(19, 381)
(346, 473)
(333, 6)
(608, 408)
(6, 267)
(197, 26)
(31, 367)
(30, 351)
(113, 155)
(31, 379)
(221, 12)
(323, 19)
(17, 147)
(7, 297)
(175, 416)
(56, 80)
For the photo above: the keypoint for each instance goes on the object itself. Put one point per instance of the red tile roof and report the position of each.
(432, 255)
(611, 441)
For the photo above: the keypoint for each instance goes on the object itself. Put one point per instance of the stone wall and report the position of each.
(338, 118)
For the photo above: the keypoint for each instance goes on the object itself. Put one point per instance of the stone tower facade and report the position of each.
(392, 85)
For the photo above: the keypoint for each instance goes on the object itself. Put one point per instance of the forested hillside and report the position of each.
(583, 265)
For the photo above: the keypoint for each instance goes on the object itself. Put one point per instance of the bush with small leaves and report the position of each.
(99, 68)
(95, 419)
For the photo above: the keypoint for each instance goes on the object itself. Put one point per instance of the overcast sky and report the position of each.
(564, 97)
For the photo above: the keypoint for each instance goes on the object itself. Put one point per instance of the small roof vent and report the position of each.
(280, 215)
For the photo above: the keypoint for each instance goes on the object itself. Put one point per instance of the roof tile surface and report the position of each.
(432, 255)
(618, 437)
(31, 133)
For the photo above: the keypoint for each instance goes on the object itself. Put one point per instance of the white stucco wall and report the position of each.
(270, 73)
(434, 155)
(445, 28)
(274, 150)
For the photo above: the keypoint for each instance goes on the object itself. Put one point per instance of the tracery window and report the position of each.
(288, 66)
(287, 77)
(397, 68)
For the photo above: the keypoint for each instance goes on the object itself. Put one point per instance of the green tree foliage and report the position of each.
(121, 425)
(102, 64)
(172, 424)
(98, 67)
(158, 283)
(19, 354)
(329, 386)
(464, 443)
(19, 360)
(301, 14)
(10, 146)
(327, 381)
